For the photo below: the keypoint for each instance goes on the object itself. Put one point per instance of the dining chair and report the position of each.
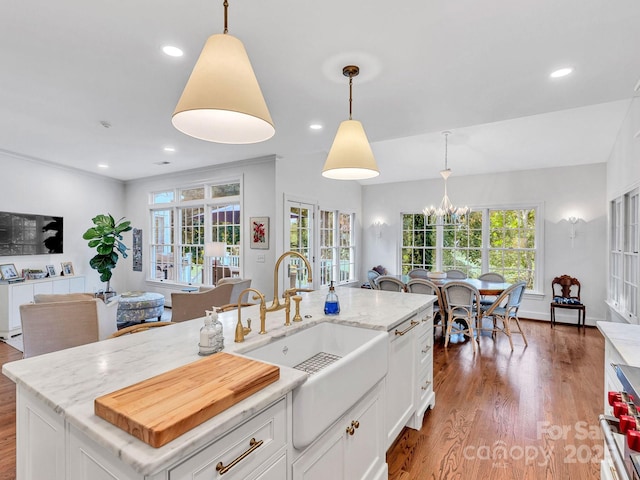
(490, 277)
(52, 326)
(390, 283)
(462, 300)
(456, 274)
(566, 294)
(427, 287)
(419, 273)
(372, 275)
(503, 310)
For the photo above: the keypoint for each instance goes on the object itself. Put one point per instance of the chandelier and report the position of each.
(447, 211)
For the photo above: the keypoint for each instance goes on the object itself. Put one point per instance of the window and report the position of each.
(486, 240)
(337, 247)
(624, 260)
(183, 220)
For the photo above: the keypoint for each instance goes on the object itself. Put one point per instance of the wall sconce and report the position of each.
(572, 232)
(377, 228)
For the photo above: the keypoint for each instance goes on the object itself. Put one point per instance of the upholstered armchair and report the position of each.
(190, 305)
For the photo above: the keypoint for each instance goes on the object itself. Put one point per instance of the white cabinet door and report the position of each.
(364, 449)
(276, 471)
(325, 458)
(76, 285)
(400, 379)
(43, 287)
(20, 295)
(60, 286)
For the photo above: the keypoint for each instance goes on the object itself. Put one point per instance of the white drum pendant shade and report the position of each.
(350, 157)
(222, 101)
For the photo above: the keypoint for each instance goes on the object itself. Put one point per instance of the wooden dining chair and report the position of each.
(463, 306)
(503, 311)
(140, 327)
(566, 294)
(389, 283)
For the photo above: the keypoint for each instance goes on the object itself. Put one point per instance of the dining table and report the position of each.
(484, 287)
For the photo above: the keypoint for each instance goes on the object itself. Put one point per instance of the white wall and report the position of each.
(563, 192)
(33, 186)
(259, 200)
(623, 167)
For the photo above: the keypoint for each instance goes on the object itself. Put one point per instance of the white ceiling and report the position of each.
(479, 69)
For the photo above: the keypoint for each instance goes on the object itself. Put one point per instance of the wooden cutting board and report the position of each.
(163, 407)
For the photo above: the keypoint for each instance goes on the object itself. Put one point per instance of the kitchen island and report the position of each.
(60, 437)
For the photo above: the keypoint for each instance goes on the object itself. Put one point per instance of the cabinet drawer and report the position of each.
(424, 383)
(241, 446)
(424, 349)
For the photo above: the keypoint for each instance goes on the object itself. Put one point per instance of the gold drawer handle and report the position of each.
(427, 318)
(253, 445)
(410, 327)
(426, 351)
(426, 385)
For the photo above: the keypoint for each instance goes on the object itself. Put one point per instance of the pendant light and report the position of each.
(350, 157)
(447, 211)
(222, 101)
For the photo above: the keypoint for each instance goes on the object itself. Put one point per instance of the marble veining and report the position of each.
(625, 338)
(68, 381)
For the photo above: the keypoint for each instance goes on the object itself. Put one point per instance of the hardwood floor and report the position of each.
(8, 416)
(527, 414)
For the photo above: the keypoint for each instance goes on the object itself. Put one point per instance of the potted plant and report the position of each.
(106, 237)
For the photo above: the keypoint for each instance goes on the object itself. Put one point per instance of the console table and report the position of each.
(13, 295)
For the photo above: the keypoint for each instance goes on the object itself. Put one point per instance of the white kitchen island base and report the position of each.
(60, 437)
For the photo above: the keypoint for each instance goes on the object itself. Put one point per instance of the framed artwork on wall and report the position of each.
(259, 232)
(67, 268)
(137, 250)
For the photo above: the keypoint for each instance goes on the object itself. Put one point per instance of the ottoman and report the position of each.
(136, 307)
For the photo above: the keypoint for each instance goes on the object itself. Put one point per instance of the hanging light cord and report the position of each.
(446, 143)
(350, 94)
(226, 7)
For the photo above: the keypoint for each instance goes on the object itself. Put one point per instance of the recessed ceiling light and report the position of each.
(103, 165)
(561, 72)
(169, 149)
(315, 126)
(172, 51)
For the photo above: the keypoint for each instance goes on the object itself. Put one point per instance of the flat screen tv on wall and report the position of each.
(29, 234)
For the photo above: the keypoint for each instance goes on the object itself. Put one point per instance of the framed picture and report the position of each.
(8, 271)
(51, 270)
(67, 268)
(259, 232)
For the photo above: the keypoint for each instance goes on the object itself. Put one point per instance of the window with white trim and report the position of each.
(624, 259)
(337, 247)
(484, 240)
(183, 220)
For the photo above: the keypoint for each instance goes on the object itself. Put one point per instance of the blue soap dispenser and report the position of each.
(332, 304)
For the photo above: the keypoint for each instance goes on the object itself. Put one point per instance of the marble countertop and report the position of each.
(625, 338)
(68, 381)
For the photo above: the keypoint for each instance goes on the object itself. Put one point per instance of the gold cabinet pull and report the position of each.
(426, 385)
(253, 445)
(410, 327)
(356, 423)
(426, 350)
(427, 318)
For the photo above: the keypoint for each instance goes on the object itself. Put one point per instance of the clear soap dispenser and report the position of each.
(211, 337)
(332, 304)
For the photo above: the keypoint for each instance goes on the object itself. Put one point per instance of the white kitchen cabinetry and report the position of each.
(255, 450)
(15, 294)
(352, 449)
(409, 382)
(611, 382)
